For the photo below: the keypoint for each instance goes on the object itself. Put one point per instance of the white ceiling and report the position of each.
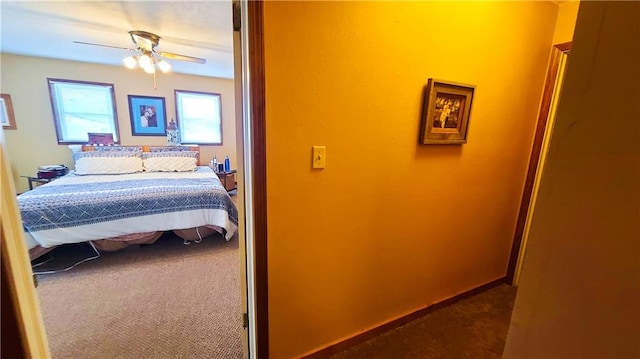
(48, 28)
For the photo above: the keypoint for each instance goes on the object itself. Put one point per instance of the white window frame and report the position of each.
(185, 117)
(62, 92)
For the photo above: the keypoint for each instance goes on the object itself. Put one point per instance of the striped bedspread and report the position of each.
(80, 208)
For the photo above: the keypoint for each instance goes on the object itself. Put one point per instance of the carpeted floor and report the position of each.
(475, 327)
(165, 300)
(168, 300)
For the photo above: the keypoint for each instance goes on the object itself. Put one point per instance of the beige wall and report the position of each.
(34, 142)
(391, 226)
(566, 21)
(579, 294)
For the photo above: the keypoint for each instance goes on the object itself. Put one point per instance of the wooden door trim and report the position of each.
(17, 276)
(259, 172)
(547, 98)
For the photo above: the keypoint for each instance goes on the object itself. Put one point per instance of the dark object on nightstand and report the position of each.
(47, 174)
(52, 171)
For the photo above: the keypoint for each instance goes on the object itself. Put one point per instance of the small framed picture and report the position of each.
(445, 114)
(148, 116)
(6, 112)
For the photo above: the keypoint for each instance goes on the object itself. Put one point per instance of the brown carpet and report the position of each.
(164, 300)
(475, 327)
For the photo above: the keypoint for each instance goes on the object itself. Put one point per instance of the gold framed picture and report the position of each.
(445, 114)
(7, 117)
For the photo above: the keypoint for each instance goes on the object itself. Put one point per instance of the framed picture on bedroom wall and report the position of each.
(148, 115)
(6, 112)
(446, 112)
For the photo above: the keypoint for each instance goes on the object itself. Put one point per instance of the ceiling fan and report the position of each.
(147, 59)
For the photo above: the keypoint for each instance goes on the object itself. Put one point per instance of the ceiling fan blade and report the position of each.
(114, 47)
(173, 56)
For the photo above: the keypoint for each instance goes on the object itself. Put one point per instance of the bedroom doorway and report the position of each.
(544, 128)
(36, 337)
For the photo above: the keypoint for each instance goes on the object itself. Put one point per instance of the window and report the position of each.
(82, 107)
(199, 117)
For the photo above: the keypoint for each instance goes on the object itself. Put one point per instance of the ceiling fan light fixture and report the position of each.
(130, 62)
(146, 56)
(150, 69)
(145, 61)
(164, 66)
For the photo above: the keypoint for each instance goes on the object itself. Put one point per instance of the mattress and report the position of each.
(74, 209)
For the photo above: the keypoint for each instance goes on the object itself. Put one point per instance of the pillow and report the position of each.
(75, 148)
(170, 161)
(170, 148)
(137, 149)
(107, 162)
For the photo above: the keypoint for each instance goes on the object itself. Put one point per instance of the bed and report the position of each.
(117, 196)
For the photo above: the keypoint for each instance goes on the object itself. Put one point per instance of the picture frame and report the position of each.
(446, 112)
(7, 118)
(148, 115)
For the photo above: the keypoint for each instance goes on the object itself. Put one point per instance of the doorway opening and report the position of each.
(244, 195)
(544, 127)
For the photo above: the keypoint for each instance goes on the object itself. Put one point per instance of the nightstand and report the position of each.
(228, 179)
(37, 180)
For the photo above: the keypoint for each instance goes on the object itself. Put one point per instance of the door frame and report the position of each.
(23, 325)
(255, 173)
(532, 171)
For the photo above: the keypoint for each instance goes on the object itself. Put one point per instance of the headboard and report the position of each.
(146, 148)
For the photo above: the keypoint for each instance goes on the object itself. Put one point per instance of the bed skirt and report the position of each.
(117, 243)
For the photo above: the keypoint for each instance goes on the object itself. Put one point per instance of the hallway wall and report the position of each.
(391, 226)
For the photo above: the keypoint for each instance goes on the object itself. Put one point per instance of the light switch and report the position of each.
(319, 154)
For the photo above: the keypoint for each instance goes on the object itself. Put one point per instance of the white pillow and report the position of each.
(75, 148)
(107, 163)
(172, 161)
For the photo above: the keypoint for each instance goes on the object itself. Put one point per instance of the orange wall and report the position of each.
(391, 226)
(579, 293)
(566, 21)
